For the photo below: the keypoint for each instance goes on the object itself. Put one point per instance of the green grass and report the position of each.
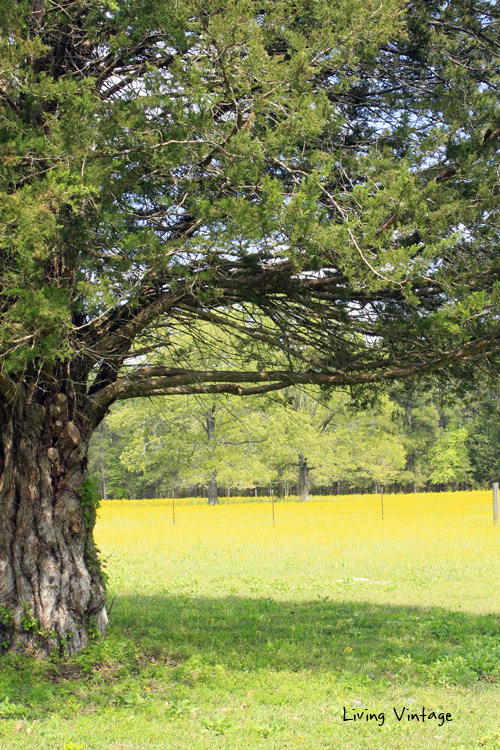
(242, 645)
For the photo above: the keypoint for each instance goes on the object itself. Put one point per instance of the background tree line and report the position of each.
(295, 441)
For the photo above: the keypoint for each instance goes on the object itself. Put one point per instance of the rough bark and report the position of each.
(303, 479)
(51, 585)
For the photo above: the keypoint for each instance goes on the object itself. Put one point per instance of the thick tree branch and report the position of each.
(159, 380)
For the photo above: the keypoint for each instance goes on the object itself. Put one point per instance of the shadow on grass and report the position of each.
(363, 639)
(182, 640)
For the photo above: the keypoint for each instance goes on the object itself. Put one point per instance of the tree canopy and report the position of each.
(319, 177)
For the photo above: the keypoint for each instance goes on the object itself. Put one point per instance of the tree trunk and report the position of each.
(51, 585)
(303, 479)
(213, 496)
(103, 465)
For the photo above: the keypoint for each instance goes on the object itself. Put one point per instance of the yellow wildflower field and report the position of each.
(429, 548)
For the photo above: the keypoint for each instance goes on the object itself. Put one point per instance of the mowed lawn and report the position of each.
(227, 631)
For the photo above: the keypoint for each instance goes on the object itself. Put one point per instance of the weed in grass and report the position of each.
(10, 710)
(217, 725)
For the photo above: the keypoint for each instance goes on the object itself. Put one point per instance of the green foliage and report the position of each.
(290, 149)
(419, 419)
(484, 437)
(165, 443)
(150, 447)
(6, 616)
(31, 624)
(90, 496)
(219, 725)
(176, 708)
(90, 501)
(449, 457)
(10, 710)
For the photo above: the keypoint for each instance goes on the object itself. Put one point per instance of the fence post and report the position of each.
(495, 502)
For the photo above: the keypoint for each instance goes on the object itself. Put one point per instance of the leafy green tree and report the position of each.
(293, 443)
(333, 442)
(179, 442)
(363, 447)
(319, 179)
(154, 445)
(449, 457)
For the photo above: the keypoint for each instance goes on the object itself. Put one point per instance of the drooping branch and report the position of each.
(259, 335)
(114, 334)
